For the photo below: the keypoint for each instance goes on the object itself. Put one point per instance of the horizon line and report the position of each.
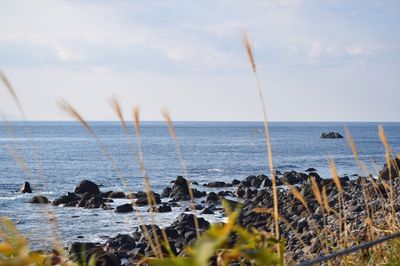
(224, 121)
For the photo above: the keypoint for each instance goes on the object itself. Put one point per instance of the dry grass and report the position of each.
(329, 238)
(174, 137)
(24, 166)
(72, 112)
(249, 51)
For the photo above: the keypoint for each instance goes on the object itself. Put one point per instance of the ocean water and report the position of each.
(60, 154)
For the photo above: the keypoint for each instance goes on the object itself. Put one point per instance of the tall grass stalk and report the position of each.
(249, 51)
(72, 112)
(172, 132)
(147, 185)
(116, 106)
(21, 162)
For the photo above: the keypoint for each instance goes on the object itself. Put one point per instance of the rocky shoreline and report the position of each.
(301, 225)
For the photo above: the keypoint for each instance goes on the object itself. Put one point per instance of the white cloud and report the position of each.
(67, 55)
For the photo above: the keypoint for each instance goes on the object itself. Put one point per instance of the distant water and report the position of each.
(212, 151)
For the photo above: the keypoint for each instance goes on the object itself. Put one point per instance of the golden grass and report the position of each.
(321, 197)
(21, 162)
(72, 112)
(249, 51)
(116, 106)
(172, 132)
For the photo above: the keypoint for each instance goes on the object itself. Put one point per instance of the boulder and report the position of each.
(114, 195)
(26, 188)
(102, 258)
(331, 135)
(235, 182)
(217, 184)
(124, 208)
(212, 197)
(293, 177)
(87, 186)
(311, 170)
(180, 190)
(164, 208)
(185, 222)
(166, 192)
(161, 208)
(207, 211)
(385, 173)
(120, 245)
(69, 199)
(78, 251)
(39, 200)
(142, 199)
(95, 202)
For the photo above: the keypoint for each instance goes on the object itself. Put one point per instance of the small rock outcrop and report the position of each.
(86, 186)
(39, 200)
(124, 208)
(331, 135)
(26, 188)
(180, 190)
(393, 171)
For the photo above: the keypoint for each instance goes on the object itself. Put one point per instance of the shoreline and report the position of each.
(305, 222)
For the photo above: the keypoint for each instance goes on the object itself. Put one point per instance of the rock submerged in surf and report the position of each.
(39, 200)
(331, 135)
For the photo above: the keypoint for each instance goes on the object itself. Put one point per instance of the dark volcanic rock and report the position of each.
(180, 190)
(26, 188)
(142, 199)
(96, 201)
(102, 258)
(212, 197)
(69, 199)
(120, 245)
(331, 135)
(79, 250)
(161, 208)
(316, 176)
(114, 195)
(185, 222)
(87, 186)
(311, 170)
(124, 208)
(207, 211)
(385, 173)
(39, 199)
(235, 182)
(217, 184)
(293, 177)
(166, 192)
(256, 181)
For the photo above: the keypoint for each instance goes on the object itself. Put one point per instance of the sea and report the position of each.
(55, 156)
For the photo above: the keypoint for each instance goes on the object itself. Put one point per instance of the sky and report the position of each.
(332, 60)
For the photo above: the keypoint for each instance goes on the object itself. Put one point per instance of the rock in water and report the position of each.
(26, 188)
(39, 199)
(311, 170)
(124, 208)
(69, 199)
(393, 172)
(331, 135)
(87, 186)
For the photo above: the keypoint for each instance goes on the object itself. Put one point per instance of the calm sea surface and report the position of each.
(65, 154)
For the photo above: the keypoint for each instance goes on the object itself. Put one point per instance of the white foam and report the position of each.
(215, 170)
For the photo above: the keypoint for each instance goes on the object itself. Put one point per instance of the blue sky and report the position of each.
(318, 60)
